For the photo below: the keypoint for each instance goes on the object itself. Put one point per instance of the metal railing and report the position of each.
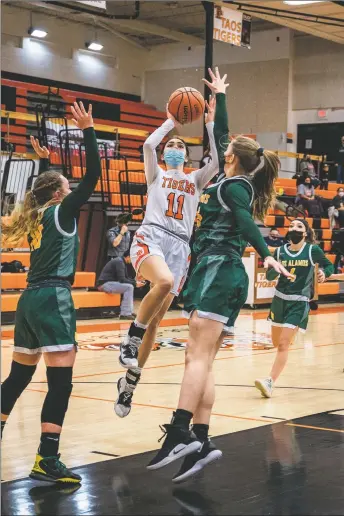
(16, 178)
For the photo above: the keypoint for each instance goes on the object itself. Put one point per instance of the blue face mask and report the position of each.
(174, 157)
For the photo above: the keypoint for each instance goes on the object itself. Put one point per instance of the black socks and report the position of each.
(136, 331)
(49, 445)
(201, 431)
(181, 419)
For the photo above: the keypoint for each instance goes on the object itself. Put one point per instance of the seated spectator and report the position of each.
(114, 280)
(118, 237)
(307, 169)
(274, 239)
(307, 199)
(338, 204)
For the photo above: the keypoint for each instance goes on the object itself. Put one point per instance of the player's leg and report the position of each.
(203, 337)
(25, 358)
(55, 326)
(127, 384)
(282, 338)
(155, 270)
(195, 462)
(22, 369)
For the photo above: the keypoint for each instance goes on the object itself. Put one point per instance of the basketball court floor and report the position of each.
(284, 455)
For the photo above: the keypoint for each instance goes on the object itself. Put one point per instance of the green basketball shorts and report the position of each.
(45, 321)
(217, 289)
(289, 314)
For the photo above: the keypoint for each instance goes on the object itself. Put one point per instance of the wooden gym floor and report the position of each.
(276, 444)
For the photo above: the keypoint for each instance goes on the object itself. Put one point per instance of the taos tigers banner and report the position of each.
(231, 26)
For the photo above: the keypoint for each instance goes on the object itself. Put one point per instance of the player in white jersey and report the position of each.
(160, 252)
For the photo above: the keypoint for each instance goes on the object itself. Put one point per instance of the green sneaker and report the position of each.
(51, 469)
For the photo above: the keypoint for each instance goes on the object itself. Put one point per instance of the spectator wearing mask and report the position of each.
(307, 199)
(118, 237)
(307, 170)
(274, 239)
(340, 163)
(338, 203)
(114, 279)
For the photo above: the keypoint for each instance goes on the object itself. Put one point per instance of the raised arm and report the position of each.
(149, 150)
(271, 274)
(72, 203)
(206, 173)
(218, 86)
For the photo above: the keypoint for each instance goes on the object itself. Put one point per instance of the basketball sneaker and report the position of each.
(195, 462)
(265, 386)
(51, 469)
(178, 443)
(129, 351)
(123, 403)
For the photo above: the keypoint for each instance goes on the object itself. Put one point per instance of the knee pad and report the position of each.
(59, 391)
(19, 378)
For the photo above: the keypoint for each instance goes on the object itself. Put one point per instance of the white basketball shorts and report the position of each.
(150, 240)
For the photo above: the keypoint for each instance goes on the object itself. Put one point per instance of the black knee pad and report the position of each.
(59, 391)
(19, 378)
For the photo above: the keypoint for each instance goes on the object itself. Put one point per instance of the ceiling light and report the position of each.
(302, 2)
(93, 45)
(37, 33)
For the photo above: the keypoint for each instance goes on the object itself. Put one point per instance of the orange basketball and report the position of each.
(186, 105)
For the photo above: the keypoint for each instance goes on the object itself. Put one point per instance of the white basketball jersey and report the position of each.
(173, 196)
(172, 202)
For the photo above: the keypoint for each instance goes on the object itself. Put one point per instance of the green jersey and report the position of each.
(53, 251)
(300, 263)
(224, 219)
(54, 245)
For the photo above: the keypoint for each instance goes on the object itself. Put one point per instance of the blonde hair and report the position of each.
(27, 216)
(263, 173)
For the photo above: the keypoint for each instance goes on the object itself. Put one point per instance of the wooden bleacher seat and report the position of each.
(331, 257)
(81, 299)
(330, 288)
(16, 281)
(21, 257)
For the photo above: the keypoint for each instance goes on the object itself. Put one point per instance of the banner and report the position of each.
(231, 26)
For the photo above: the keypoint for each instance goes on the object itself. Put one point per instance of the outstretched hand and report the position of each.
(42, 152)
(278, 267)
(218, 84)
(211, 106)
(82, 118)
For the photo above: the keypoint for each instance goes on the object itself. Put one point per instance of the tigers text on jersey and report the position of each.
(172, 202)
(173, 195)
(53, 251)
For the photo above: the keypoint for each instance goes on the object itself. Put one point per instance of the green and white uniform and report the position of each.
(290, 305)
(45, 317)
(218, 286)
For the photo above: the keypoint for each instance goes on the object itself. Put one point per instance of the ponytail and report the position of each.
(263, 182)
(26, 217)
(261, 166)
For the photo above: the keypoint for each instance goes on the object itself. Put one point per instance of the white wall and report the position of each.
(265, 47)
(119, 68)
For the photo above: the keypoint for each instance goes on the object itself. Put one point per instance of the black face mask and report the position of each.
(295, 236)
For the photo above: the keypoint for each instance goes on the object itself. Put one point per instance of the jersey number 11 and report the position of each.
(180, 203)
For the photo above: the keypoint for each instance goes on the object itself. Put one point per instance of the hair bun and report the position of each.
(260, 151)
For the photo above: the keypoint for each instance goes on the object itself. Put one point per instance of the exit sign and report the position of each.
(322, 114)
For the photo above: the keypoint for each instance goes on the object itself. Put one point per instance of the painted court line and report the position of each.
(270, 351)
(316, 428)
(157, 406)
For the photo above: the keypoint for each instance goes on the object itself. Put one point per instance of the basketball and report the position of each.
(186, 105)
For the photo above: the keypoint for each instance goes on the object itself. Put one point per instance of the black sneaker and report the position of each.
(51, 469)
(123, 403)
(177, 444)
(194, 463)
(129, 351)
